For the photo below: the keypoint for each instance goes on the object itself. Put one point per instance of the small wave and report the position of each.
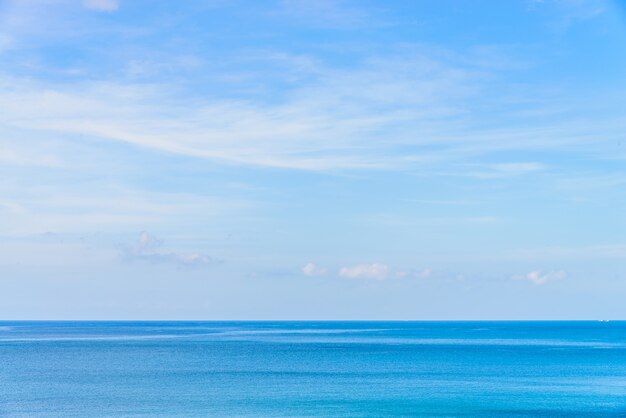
(563, 344)
(105, 338)
(301, 331)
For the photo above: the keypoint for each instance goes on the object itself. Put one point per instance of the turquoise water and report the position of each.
(168, 369)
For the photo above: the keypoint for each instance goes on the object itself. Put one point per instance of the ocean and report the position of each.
(310, 369)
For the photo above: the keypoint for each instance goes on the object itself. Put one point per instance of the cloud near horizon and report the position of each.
(377, 271)
(365, 271)
(539, 278)
(312, 269)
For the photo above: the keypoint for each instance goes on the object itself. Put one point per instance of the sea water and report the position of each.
(352, 369)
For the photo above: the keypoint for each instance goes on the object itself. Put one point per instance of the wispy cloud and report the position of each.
(365, 271)
(91, 207)
(379, 271)
(505, 169)
(540, 278)
(564, 253)
(312, 269)
(334, 120)
(330, 122)
(574, 11)
(148, 248)
(391, 219)
(102, 5)
(323, 13)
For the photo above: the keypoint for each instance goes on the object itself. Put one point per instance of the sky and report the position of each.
(312, 159)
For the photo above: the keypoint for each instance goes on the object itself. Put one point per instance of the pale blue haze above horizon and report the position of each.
(319, 159)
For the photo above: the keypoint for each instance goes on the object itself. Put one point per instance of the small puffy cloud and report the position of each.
(147, 248)
(311, 269)
(102, 5)
(365, 271)
(146, 242)
(539, 278)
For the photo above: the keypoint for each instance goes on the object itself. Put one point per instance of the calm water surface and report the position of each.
(352, 369)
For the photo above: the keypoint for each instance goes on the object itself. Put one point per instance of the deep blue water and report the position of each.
(354, 369)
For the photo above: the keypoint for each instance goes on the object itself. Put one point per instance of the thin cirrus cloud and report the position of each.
(148, 248)
(429, 104)
(333, 121)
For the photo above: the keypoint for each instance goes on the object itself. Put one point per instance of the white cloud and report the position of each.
(102, 5)
(331, 121)
(365, 271)
(334, 119)
(539, 278)
(393, 110)
(380, 271)
(146, 243)
(311, 269)
(147, 248)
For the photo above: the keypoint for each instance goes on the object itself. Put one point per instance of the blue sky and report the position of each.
(319, 159)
